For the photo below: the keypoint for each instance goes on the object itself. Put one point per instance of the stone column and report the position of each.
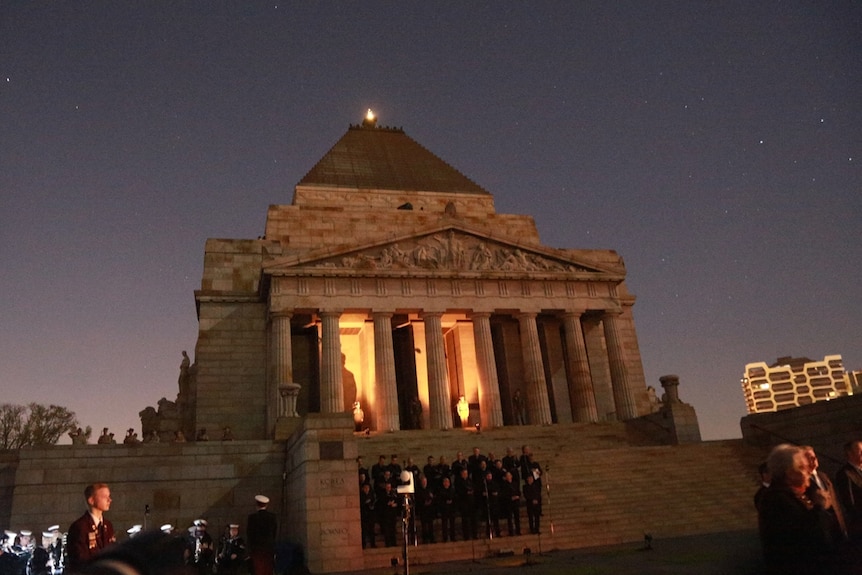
(538, 405)
(283, 360)
(288, 393)
(491, 410)
(331, 395)
(439, 404)
(624, 401)
(384, 372)
(581, 383)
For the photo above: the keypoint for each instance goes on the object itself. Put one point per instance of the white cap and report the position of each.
(261, 499)
(48, 535)
(11, 534)
(200, 522)
(26, 533)
(166, 528)
(134, 529)
(234, 526)
(54, 528)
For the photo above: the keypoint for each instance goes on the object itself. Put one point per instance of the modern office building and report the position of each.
(793, 381)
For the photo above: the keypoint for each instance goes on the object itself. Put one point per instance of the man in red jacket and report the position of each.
(92, 532)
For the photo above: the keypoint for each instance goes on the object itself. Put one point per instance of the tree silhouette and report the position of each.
(34, 424)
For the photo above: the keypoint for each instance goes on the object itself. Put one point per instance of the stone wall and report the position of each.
(323, 508)
(179, 482)
(825, 425)
(231, 356)
(310, 479)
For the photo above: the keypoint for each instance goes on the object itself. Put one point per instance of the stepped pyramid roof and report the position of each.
(383, 158)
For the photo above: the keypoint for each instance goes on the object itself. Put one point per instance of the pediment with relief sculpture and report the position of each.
(445, 250)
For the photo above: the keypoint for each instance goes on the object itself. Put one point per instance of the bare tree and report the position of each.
(34, 424)
(11, 425)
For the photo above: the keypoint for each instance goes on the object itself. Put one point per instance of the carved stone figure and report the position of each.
(452, 251)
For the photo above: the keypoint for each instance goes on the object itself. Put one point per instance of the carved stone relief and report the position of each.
(450, 251)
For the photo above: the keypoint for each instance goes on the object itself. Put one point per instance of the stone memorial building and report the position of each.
(390, 287)
(390, 296)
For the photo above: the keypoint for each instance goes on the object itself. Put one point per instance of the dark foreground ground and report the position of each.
(734, 553)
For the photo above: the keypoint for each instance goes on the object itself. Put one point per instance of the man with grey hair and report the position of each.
(792, 526)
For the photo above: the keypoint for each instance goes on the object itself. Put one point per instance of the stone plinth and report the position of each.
(324, 510)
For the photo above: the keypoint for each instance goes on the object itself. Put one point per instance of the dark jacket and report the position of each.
(261, 530)
(84, 541)
(794, 534)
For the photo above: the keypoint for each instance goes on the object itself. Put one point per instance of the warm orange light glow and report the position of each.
(369, 115)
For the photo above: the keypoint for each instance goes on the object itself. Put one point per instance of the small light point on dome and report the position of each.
(370, 120)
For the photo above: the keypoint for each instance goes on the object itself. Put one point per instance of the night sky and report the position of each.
(717, 146)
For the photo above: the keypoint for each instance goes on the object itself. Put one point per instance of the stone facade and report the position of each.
(390, 288)
(310, 480)
(370, 288)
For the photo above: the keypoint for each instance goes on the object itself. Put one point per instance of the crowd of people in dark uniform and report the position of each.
(21, 554)
(92, 537)
(453, 501)
(809, 524)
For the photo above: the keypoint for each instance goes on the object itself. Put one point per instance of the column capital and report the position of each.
(614, 311)
(281, 313)
(330, 313)
(575, 312)
(431, 313)
(473, 314)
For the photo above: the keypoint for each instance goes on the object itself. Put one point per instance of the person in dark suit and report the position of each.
(465, 493)
(432, 473)
(533, 497)
(92, 532)
(821, 490)
(260, 532)
(765, 480)
(474, 463)
(848, 488)
(378, 468)
(793, 528)
(367, 514)
(447, 501)
(510, 498)
(388, 508)
(426, 503)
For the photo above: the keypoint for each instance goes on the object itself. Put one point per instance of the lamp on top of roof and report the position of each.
(370, 120)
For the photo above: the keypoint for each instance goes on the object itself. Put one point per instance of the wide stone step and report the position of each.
(598, 489)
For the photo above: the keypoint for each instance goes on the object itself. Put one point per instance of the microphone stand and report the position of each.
(488, 508)
(548, 489)
(405, 530)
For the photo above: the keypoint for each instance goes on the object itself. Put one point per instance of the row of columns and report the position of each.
(538, 404)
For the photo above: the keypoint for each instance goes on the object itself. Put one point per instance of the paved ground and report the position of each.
(735, 553)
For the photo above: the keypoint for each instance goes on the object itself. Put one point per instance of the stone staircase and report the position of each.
(603, 485)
